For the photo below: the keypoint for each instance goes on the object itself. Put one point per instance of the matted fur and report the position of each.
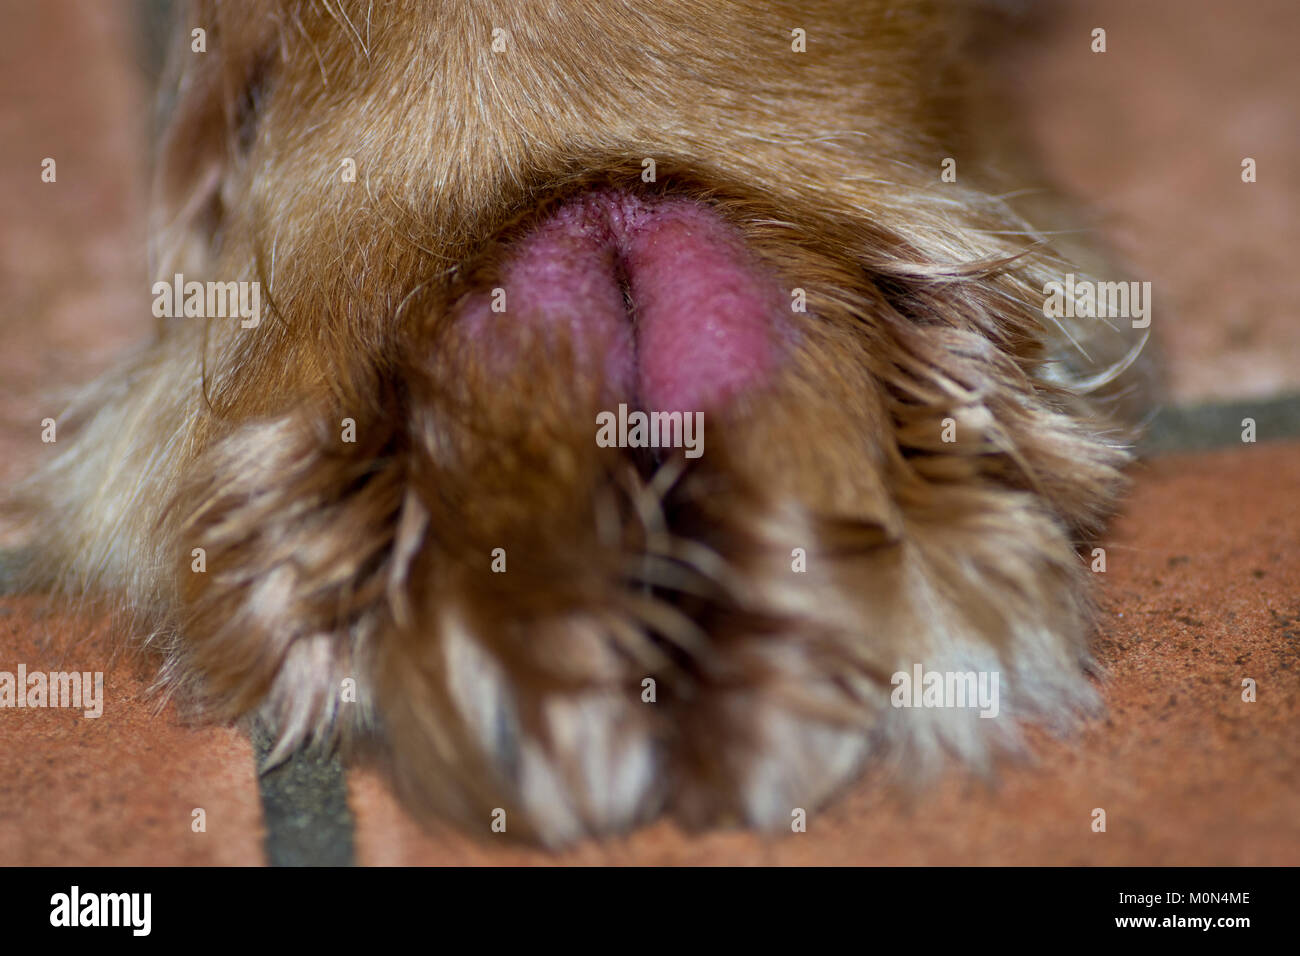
(328, 560)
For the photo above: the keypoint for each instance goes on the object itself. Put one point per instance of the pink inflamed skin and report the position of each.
(662, 291)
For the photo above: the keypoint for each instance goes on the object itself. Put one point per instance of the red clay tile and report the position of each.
(1152, 134)
(119, 789)
(1202, 590)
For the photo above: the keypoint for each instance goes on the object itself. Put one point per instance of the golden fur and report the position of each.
(328, 560)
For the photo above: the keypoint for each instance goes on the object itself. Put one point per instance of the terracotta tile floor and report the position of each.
(1203, 584)
(1186, 771)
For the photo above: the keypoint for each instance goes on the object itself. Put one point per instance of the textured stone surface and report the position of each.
(1202, 589)
(121, 788)
(1151, 135)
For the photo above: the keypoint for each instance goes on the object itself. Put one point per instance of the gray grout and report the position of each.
(1219, 424)
(304, 807)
